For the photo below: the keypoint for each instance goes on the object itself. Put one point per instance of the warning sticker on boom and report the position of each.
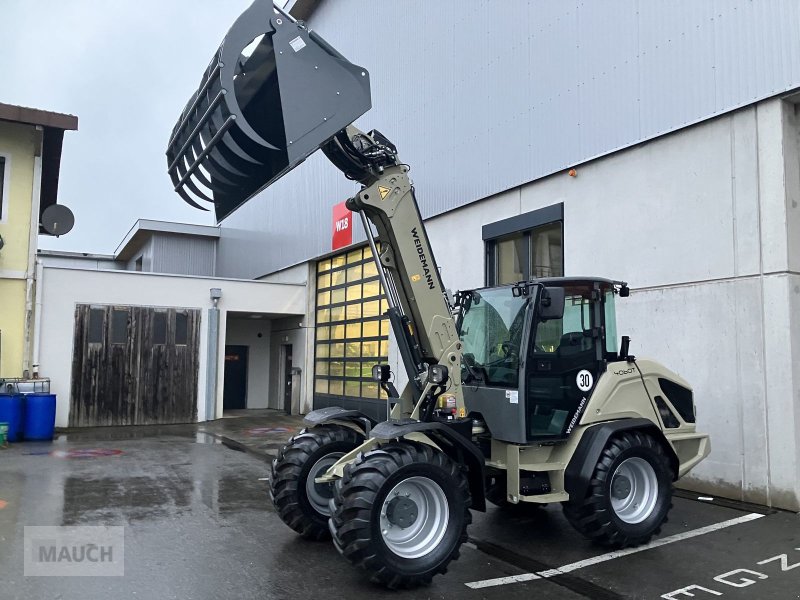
(297, 44)
(383, 191)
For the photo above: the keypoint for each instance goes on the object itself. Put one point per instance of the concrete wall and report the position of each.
(291, 330)
(245, 332)
(62, 289)
(704, 225)
(298, 331)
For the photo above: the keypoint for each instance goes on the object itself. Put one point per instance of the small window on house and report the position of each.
(2, 183)
(160, 328)
(138, 264)
(181, 329)
(119, 326)
(95, 335)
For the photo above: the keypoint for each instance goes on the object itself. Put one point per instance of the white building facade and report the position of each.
(680, 125)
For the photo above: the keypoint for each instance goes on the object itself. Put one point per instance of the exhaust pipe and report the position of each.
(274, 92)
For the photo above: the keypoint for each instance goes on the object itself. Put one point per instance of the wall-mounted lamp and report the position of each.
(216, 294)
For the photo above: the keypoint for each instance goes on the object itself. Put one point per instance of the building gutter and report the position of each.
(37, 317)
(30, 274)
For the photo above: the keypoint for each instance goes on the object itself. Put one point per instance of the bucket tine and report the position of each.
(273, 93)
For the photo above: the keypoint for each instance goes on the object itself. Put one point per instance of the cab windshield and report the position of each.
(491, 333)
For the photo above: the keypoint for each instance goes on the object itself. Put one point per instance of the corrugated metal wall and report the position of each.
(183, 254)
(481, 96)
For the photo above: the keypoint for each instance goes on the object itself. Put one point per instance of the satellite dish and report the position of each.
(57, 219)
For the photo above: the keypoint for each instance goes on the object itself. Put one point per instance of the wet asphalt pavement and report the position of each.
(198, 525)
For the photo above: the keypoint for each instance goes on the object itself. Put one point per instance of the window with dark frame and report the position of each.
(159, 328)
(525, 247)
(96, 318)
(352, 334)
(119, 326)
(181, 329)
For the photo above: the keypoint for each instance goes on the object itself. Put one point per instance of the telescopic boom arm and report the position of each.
(419, 312)
(274, 93)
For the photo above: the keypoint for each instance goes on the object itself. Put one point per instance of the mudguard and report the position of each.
(578, 473)
(336, 413)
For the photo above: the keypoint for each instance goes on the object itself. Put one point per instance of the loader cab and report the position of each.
(528, 367)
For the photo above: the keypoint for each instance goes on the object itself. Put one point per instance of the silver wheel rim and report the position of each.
(422, 521)
(634, 490)
(319, 494)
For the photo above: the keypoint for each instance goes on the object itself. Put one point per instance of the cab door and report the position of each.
(563, 363)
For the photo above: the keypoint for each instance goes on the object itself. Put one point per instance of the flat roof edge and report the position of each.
(36, 116)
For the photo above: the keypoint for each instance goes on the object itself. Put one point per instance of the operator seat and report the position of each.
(573, 343)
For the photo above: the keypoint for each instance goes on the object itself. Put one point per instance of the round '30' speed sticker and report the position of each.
(585, 380)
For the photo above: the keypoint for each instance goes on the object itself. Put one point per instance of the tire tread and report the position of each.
(354, 497)
(286, 470)
(593, 516)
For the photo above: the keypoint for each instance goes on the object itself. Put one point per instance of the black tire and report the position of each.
(291, 470)
(358, 502)
(595, 516)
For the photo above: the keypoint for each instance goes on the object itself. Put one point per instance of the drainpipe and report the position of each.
(30, 278)
(212, 362)
(37, 317)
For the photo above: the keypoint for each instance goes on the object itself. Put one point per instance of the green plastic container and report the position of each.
(3, 433)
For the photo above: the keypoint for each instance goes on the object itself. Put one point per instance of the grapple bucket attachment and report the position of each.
(273, 94)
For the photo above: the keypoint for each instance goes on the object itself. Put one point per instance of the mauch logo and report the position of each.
(342, 224)
(55, 553)
(78, 551)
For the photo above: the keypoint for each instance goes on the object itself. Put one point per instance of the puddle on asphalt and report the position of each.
(143, 498)
(235, 493)
(206, 438)
(130, 498)
(136, 432)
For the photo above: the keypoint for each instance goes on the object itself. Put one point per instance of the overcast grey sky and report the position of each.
(125, 68)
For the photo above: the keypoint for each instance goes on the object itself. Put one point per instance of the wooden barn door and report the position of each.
(134, 365)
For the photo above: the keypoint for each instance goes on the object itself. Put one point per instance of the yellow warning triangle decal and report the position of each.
(383, 191)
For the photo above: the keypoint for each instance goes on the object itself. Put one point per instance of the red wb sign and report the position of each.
(342, 227)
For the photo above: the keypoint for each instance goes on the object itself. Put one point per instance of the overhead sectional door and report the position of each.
(352, 334)
(134, 365)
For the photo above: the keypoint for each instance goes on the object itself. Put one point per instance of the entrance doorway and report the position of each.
(286, 365)
(234, 393)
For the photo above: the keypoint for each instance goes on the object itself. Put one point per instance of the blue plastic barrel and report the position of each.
(12, 411)
(40, 416)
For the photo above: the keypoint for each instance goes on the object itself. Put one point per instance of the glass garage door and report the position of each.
(352, 334)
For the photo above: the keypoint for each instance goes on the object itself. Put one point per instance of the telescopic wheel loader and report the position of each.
(515, 394)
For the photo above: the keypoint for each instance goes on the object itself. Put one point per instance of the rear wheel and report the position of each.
(629, 495)
(401, 512)
(300, 502)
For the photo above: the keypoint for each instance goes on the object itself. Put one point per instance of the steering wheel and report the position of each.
(511, 349)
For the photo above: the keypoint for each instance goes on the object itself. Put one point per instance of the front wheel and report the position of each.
(401, 512)
(629, 495)
(300, 502)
